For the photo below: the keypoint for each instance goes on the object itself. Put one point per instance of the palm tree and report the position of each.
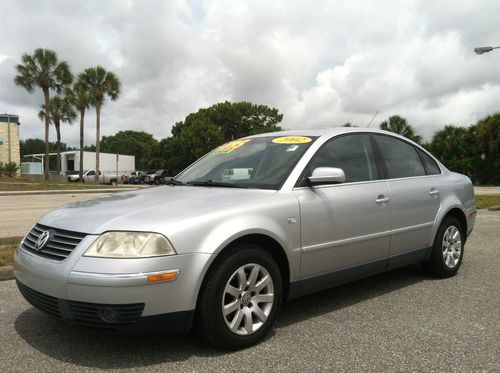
(99, 83)
(79, 98)
(42, 69)
(400, 126)
(60, 110)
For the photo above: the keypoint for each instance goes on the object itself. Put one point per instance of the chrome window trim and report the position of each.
(364, 182)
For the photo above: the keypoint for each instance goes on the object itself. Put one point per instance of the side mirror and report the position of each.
(326, 175)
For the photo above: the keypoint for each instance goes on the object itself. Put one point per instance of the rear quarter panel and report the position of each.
(456, 191)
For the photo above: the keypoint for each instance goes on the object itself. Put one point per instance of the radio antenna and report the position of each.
(374, 115)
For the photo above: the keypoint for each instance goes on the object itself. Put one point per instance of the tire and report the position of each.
(447, 250)
(213, 326)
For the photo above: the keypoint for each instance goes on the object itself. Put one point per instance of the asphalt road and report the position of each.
(403, 320)
(19, 213)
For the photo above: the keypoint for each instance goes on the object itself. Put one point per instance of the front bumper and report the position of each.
(118, 317)
(97, 288)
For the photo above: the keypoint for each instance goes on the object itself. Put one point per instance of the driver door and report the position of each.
(345, 226)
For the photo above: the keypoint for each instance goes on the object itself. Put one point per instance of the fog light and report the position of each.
(108, 314)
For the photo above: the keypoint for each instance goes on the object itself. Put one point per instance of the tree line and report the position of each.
(42, 69)
(473, 150)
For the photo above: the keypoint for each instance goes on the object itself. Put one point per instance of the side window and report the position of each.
(91, 173)
(351, 153)
(401, 158)
(430, 165)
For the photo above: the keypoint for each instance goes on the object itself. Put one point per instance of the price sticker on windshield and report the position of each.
(289, 140)
(230, 146)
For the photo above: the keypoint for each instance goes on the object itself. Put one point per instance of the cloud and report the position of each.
(321, 63)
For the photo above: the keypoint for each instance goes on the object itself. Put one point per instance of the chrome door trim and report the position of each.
(328, 245)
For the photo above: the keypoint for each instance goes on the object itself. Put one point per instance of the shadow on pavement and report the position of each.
(346, 295)
(104, 350)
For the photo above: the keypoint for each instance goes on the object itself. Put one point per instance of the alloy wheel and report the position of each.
(248, 299)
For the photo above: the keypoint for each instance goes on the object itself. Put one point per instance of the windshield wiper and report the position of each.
(215, 184)
(174, 182)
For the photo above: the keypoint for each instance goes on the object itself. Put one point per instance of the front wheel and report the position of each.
(240, 299)
(447, 250)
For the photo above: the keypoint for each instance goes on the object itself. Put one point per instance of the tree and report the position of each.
(43, 70)
(487, 136)
(60, 110)
(449, 143)
(79, 98)
(208, 128)
(400, 126)
(137, 143)
(99, 83)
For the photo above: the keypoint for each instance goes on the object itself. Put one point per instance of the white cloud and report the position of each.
(321, 63)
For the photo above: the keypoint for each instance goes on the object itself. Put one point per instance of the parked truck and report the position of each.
(89, 177)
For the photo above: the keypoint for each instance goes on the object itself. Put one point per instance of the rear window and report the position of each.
(401, 159)
(430, 164)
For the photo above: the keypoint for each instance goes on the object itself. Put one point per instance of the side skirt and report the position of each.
(343, 276)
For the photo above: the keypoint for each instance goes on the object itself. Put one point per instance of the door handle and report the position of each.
(382, 200)
(434, 192)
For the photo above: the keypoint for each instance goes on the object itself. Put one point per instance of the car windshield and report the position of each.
(262, 162)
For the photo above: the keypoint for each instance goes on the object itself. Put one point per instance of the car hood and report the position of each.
(148, 209)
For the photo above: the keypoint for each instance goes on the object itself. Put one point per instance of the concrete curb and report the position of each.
(6, 273)
(77, 191)
(494, 208)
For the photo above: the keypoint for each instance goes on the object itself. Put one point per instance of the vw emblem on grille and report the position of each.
(42, 240)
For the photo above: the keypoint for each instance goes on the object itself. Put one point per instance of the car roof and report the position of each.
(323, 132)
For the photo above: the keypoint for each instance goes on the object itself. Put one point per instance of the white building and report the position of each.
(109, 164)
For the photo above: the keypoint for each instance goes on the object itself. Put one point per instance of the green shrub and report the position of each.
(1, 169)
(10, 169)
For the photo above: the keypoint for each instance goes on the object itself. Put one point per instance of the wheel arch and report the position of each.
(267, 243)
(458, 214)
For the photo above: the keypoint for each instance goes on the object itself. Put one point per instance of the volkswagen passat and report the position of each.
(255, 222)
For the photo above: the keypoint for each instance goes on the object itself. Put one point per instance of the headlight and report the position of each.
(130, 245)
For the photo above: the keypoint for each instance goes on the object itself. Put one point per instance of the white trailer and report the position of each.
(109, 164)
(112, 166)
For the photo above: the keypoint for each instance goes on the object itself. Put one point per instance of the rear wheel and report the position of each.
(447, 250)
(240, 298)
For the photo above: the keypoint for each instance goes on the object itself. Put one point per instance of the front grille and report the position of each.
(60, 244)
(93, 315)
(44, 302)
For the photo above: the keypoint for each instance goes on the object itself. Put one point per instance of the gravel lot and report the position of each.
(398, 321)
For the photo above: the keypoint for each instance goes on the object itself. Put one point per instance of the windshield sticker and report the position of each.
(292, 148)
(230, 146)
(292, 140)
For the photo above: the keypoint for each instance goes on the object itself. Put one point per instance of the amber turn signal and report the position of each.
(162, 277)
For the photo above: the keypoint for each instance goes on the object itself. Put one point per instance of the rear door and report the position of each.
(346, 225)
(414, 193)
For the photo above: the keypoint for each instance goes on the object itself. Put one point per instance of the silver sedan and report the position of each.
(255, 222)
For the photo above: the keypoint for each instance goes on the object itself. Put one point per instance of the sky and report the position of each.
(321, 63)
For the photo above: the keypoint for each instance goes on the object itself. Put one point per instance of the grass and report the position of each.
(20, 184)
(7, 248)
(483, 202)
